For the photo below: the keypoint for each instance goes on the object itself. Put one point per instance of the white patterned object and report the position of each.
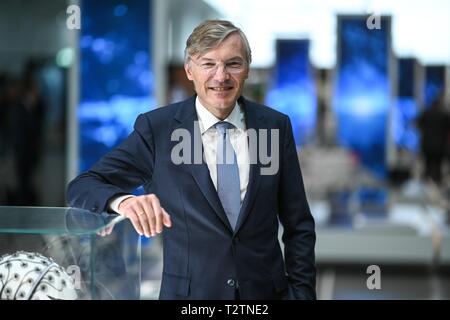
(32, 276)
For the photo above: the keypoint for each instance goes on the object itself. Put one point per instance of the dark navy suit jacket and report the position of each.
(203, 257)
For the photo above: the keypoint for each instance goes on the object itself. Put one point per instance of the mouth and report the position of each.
(221, 89)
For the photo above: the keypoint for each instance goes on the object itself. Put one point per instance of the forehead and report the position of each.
(231, 47)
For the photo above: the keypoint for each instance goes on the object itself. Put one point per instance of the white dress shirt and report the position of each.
(238, 139)
(210, 136)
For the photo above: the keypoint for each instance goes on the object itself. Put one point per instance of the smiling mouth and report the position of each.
(221, 88)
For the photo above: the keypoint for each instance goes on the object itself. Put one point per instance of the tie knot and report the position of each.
(222, 126)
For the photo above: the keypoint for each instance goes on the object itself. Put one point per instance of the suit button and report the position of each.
(231, 282)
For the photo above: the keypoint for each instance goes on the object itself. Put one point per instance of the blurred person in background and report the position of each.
(3, 138)
(434, 124)
(221, 235)
(27, 111)
(10, 100)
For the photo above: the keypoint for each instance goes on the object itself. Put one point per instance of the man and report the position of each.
(434, 124)
(220, 213)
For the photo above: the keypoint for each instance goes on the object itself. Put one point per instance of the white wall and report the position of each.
(184, 16)
(419, 28)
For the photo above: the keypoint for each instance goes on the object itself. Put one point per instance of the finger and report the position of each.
(135, 222)
(166, 218)
(157, 209)
(139, 212)
(150, 215)
(109, 230)
(143, 219)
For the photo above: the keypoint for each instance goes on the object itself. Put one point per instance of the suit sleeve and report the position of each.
(119, 172)
(299, 235)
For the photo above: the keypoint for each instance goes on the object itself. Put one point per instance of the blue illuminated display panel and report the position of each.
(293, 90)
(362, 89)
(116, 77)
(434, 83)
(406, 107)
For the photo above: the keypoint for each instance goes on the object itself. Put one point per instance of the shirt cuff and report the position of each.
(114, 204)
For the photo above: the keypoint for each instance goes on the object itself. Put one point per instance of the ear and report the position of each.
(187, 68)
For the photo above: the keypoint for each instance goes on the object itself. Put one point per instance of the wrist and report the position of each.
(116, 203)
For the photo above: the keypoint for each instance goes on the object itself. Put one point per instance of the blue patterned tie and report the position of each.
(228, 186)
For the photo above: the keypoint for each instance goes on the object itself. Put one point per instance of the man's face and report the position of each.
(219, 75)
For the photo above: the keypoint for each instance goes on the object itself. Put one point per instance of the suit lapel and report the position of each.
(186, 118)
(254, 122)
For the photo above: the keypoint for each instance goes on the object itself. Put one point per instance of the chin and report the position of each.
(225, 104)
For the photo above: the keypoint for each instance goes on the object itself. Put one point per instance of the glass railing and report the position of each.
(67, 253)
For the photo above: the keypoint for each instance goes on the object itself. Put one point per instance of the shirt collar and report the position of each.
(207, 119)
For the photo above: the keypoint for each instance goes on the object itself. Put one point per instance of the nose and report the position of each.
(221, 73)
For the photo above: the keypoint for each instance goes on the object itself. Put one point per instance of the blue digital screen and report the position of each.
(372, 201)
(116, 75)
(293, 90)
(406, 108)
(361, 98)
(434, 83)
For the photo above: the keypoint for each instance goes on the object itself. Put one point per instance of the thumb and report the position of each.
(166, 219)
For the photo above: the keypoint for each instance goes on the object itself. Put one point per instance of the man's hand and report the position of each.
(146, 214)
